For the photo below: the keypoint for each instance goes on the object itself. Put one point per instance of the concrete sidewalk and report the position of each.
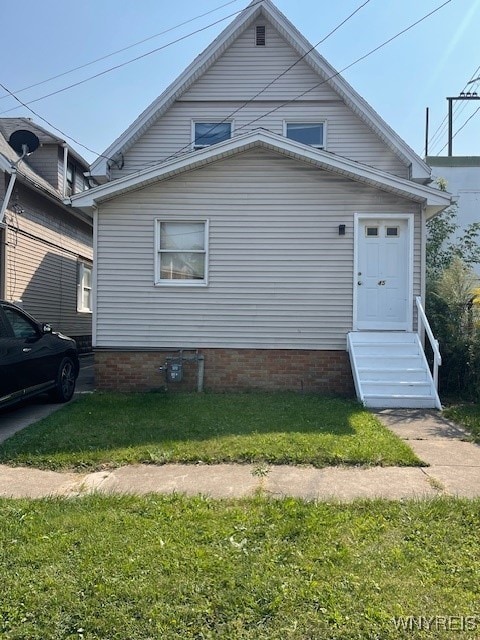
(454, 470)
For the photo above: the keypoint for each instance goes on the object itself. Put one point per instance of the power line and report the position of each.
(250, 100)
(100, 155)
(460, 128)
(337, 73)
(113, 53)
(442, 126)
(127, 62)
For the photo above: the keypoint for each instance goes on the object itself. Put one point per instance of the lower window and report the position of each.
(181, 255)
(84, 287)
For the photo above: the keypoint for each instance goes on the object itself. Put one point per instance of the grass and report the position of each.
(194, 568)
(468, 415)
(107, 430)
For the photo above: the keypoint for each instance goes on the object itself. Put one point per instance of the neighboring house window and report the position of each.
(84, 287)
(70, 178)
(207, 133)
(181, 255)
(311, 133)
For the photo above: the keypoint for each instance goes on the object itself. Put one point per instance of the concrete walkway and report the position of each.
(454, 470)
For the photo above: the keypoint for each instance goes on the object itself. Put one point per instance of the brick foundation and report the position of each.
(229, 370)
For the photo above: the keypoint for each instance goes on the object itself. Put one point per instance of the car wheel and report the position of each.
(65, 386)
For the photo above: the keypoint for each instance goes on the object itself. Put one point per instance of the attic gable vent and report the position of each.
(260, 35)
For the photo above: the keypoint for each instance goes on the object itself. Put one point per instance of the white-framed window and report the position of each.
(181, 253)
(311, 133)
(84, 287)
(204, 134)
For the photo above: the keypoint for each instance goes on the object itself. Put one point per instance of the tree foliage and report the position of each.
(452, 294)
(443, 247)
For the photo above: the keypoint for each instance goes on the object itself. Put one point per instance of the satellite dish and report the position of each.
(24, 142)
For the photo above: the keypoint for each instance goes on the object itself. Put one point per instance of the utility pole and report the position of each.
(451, 100)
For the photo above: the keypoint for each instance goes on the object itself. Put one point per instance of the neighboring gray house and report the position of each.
(253, 220)
(46, 252)
(462, 174)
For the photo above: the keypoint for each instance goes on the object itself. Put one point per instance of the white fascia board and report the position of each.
(5, 164)
(358, 104)
(178, 87)
(322, 159)
(419, 169)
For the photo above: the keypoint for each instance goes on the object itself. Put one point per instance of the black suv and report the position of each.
(34, 359)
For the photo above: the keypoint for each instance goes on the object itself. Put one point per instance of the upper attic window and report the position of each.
(311, 133)
(207, 133)
(260, 35)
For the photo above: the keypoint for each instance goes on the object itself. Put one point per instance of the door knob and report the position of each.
(359, 282)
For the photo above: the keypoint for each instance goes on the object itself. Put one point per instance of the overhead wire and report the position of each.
(283, 73)
(127, 62)
(383, 44)
(318, 84)
(77, 142)
(460, 129)
(113, 53)
(441, 129)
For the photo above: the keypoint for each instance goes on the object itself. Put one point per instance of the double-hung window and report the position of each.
(181, 252)
(84, 287)
(311, 133)
(207, 133)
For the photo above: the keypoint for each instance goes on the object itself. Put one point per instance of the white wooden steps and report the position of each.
(390, 370)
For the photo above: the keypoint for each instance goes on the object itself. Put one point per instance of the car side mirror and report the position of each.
(46, 328)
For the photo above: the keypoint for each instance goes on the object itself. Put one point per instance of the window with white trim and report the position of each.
(207, 133)
(311, 133)
(84, 287)
(181, 252)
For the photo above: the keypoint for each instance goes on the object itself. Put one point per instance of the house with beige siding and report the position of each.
(259, 226)
(46, 253)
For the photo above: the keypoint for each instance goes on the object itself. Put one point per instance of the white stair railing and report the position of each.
(423, 322)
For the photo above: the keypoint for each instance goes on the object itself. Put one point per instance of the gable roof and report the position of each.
(434, 199)
(265, 8)
(9, 163)
(9, 125)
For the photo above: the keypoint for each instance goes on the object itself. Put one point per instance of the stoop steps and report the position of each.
(390, 370)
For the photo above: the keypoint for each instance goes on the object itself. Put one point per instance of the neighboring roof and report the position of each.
(419, 169)
(9, 125)
(434, 199)
(25, 173)
(8, 156)
(453, 161)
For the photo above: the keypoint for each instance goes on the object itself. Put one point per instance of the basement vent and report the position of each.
(260, 35)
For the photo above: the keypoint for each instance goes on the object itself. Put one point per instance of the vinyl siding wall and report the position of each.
(243, 71)
(44, 245)
(45, 161)
(280, 276)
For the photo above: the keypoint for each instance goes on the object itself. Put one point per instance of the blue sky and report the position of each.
(418, 70)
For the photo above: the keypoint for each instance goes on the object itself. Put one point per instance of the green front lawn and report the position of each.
(193, 568)
(467, 415)
(105, 430)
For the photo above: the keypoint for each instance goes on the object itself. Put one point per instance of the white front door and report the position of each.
(382, 280)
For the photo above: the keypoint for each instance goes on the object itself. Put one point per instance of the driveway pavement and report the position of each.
(17, 418)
